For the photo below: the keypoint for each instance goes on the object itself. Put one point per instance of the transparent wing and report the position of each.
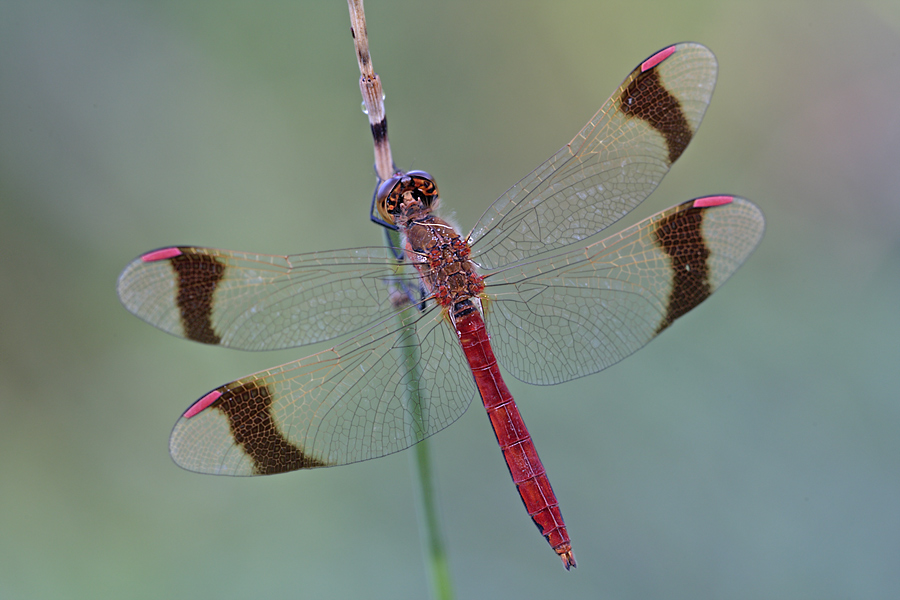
(261, 302)
(577, 313)
(344, 405)
(611, 166)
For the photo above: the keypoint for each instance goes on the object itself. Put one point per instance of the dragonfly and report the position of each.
(533, 287)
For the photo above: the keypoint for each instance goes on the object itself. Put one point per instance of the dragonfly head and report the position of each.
(405, 196)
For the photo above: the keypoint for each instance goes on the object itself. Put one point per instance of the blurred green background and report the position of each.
(751, 452)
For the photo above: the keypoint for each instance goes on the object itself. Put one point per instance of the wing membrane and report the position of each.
(579, 312)
(610, 167)
(261, 302)
(344, 405)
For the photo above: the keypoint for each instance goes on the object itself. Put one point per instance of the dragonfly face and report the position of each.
(406, 196)
(564, 303)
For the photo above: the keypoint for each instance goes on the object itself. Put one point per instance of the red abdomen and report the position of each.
(521, 456)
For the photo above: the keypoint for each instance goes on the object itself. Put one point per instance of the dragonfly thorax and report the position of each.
(442, 258)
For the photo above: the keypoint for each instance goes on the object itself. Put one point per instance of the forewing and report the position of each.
(344, 405)
(577, 313)
(258, 301)
(619, 157)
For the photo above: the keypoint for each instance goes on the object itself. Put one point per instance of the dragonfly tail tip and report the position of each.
(568, 559)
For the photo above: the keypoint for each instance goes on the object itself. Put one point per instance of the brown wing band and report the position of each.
(680, 235)
(248, 409)
(198, 276)
(647, 98)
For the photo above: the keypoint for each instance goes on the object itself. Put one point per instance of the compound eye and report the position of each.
(388, 203)
(425, 185)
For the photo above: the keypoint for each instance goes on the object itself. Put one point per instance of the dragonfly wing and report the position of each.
(258, 301)
(347, 404)
(579, 312)
(610, 167)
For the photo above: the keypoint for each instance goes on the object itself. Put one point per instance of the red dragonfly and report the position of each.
(558, 302)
